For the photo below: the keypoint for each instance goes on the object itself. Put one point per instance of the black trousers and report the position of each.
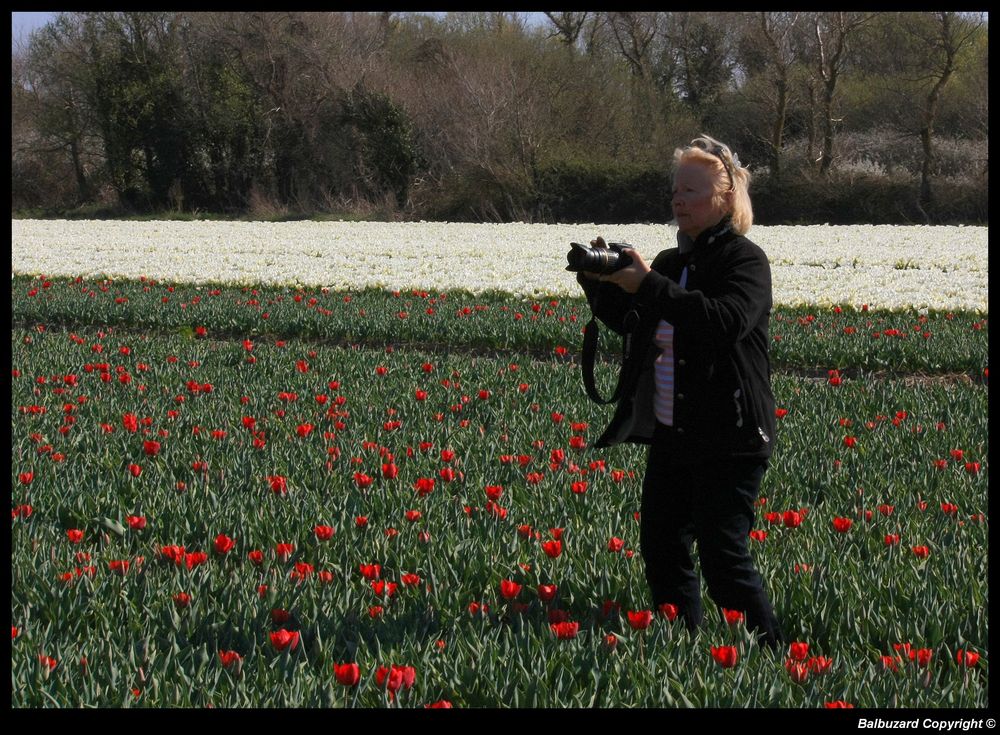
(711, 503)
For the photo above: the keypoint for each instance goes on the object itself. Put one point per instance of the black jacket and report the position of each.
(723, 404)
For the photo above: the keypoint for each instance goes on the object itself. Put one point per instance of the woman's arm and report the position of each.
(743, 297)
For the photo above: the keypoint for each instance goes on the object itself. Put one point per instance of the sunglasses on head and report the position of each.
(721, 152)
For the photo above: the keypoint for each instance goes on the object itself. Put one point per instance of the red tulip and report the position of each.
(395, 678)
(615, 544)
(75, 535)
(792, 519)
(424, 486)
(547, 592)
(136, 523)
(347, 674)
(565, 630)
(229, 658)
(440, 704)
(323, 533)
(819, 664)
(640, 619)
(842, 525)
(552, 548)
(733, 617)
(921, 552)
(509, 589)
(798, 651)
(968, 659)
(223, 544)
(726, 656)
(669, 610)
(182, 599)
(798, 671)
(282, 639)
(151, 448)
(922, 656)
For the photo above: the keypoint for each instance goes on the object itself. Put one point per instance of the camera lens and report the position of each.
(592, 260)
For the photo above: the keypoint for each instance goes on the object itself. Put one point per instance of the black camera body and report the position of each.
(600, 261)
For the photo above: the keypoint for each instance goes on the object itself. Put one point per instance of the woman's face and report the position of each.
(696, 208)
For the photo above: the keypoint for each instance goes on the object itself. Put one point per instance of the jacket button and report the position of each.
(680, 396)
(692, 267)
(681, 362)
(680, 430)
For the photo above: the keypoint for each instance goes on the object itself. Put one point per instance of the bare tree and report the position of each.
(54, 78)
(776, 30)
(833, 30)
(568, 26)
(634, 34)
(948, 35)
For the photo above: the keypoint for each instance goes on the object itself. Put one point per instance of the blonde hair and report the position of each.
(729, 176)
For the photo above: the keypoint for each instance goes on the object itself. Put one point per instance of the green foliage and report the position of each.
(387, 154)
(805, 338)
(849, 596)
(600, 191)
(473, 117)
(846, 197)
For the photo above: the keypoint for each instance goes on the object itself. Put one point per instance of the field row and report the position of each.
(223, 521)
(863, 338)
(885, 266)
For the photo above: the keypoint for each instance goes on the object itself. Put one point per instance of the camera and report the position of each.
(600, 261)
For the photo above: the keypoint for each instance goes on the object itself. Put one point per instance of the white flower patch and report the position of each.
(880, 265)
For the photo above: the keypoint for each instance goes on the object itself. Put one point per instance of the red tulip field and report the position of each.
(297, 497)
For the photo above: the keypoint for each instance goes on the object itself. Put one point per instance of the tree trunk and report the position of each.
(811, 147)
(826, 157)
(925, 168)
(778, 131)
(82, 189)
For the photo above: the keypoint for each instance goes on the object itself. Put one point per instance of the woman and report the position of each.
(699, 391)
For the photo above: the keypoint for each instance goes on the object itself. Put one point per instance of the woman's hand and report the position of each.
(629, 278)
(598, 243)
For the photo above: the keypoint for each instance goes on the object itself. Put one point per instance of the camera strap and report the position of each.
(590, 334)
